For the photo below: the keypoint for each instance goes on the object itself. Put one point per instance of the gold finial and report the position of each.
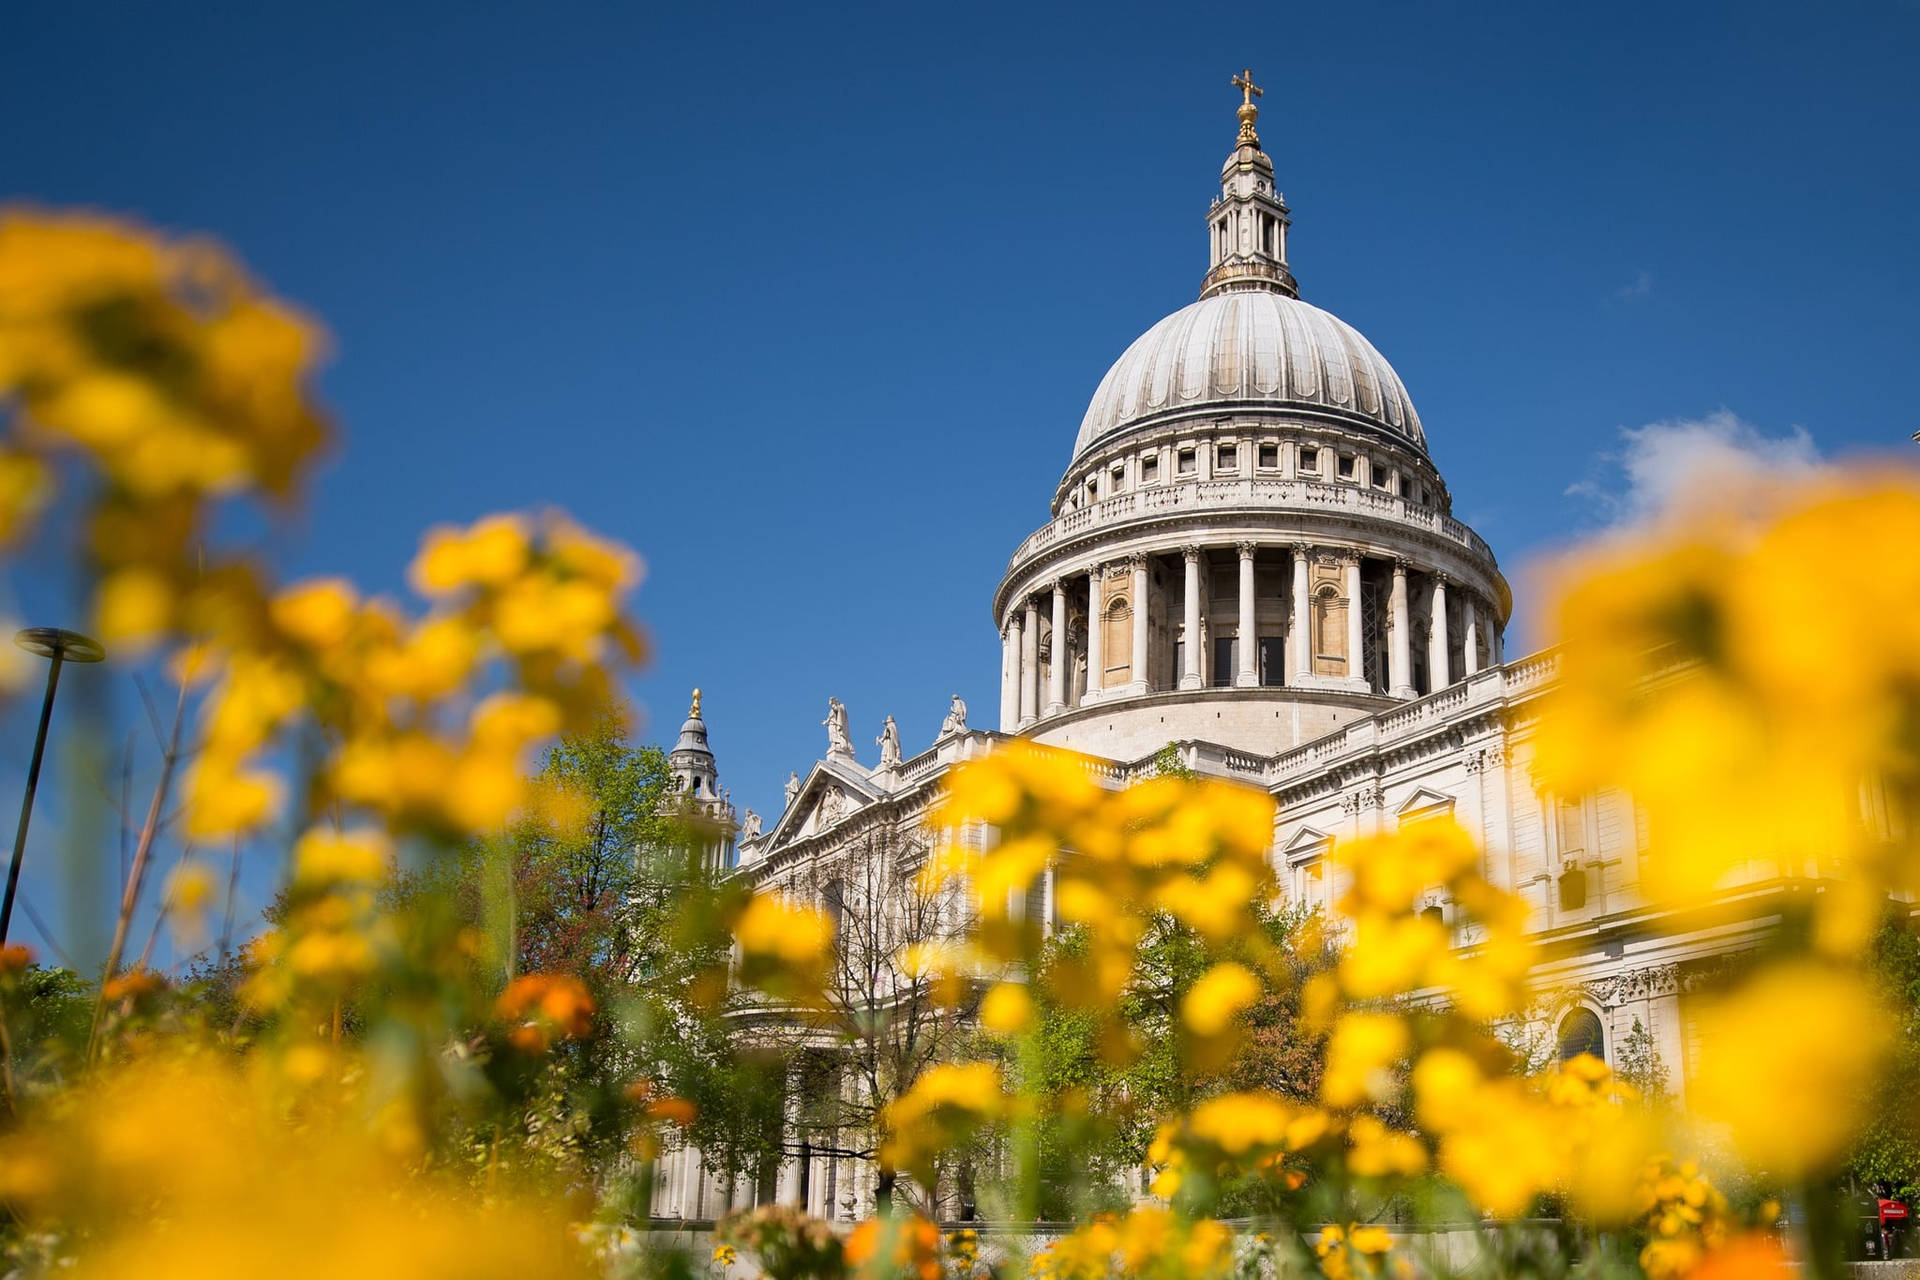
(1248, 112)
(694, 714)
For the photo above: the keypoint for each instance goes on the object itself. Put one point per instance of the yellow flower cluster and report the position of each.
(331, 929)
(175, 382)
(785, 947)
(1351, 1251)
(1191, 850)
(413, 747)
(1753, 680)
(187, 1166)
(945, 1106)
(1692, 1233)
(1753, 684)
(1395, 951)
(1147, 1243)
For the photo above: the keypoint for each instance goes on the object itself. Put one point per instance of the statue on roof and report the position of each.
(889, 741)
(793, 788)
(956, 721)
(750, 826)
(839, 739)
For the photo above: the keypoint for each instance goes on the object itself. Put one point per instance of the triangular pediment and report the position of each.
(1424, 802)
(1304, 843)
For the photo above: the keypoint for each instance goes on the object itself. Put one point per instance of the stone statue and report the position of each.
(889, 741)
(750, 827)
(839, 740)
(793, 788)
(830, 806)
(956, 721)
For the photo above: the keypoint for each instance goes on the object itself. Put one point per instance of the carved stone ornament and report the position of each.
(1484, 758)
(1367, 796)
(1639, 984)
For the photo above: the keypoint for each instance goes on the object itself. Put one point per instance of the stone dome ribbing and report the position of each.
(1255, 349)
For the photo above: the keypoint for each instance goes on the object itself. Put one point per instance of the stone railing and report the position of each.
(1496, 685)
(1154, 501)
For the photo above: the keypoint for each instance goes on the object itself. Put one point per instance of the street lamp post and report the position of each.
(60, 647)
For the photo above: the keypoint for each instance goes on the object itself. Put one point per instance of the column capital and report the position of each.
(1097, 569)
(1301, 550)
(1137, 561)
(1246, 547)
(1400, 566)
(1192, 553)
(1053, 585)
(1441, 580)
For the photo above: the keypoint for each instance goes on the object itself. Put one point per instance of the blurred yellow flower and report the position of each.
(1362, 1059)
(1217, 997)
(1006, 1009)
(1784, 1065)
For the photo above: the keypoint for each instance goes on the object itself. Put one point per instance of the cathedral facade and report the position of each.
(1251, 561)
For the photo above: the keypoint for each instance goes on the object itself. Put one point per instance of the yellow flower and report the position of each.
(317, 613)
(324, 857)
(133, 607)
(1218, 997)
(1784, 1065)
(1379, 1152)
(1006, 1009)
(491, 553)
(223, 800)
(1361, 1059)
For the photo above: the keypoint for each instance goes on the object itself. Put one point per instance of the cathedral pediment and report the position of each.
(1425, 802)
(1306, 843)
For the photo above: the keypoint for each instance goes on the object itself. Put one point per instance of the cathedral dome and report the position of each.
(1251, 348)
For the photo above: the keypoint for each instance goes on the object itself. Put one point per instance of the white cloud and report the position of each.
(1641, 287)
(1681, 467)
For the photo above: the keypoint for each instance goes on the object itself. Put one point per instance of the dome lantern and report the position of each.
(1247, 225)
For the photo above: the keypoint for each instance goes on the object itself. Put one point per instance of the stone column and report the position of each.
(1249, 673)
(1437, 635)
(1141, 680)
(1356, 639)
(1302, 621)
(1400, 651)
(1062, 660)
(1030, 665)
(1470, 648)
(1190, 662)
(1096, 647)
(1010, 675)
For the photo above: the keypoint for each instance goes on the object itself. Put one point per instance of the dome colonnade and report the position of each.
(1250, 515)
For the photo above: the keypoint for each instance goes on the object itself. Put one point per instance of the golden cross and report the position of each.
(1248, 89)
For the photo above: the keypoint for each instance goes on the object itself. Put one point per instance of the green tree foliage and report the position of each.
(1888, 1152)
(1108, 1093)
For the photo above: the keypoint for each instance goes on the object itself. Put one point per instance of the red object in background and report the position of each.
(1892, 1211)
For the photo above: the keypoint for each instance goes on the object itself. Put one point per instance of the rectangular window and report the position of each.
(1119, 477)
(1346, 466)
(1309, 459)
(1149, 470)
(1224, 459)
(1273, 660)
(1184, 462)
(1380, 475)
(1269, 456)
(1225, 660)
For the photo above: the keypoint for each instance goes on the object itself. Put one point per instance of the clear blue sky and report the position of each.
(806, 304)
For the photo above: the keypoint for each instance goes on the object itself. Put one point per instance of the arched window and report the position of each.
(1580, 1032)
(1329, 627)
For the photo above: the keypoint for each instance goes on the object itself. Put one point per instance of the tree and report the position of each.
(880, 1022)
